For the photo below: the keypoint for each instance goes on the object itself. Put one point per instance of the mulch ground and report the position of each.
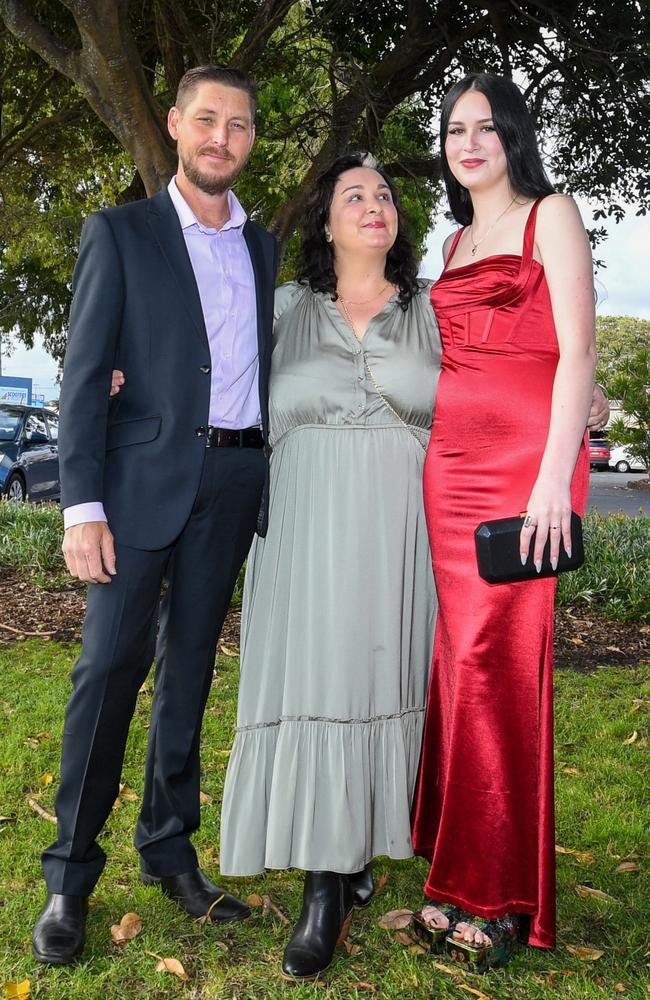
(583, 640)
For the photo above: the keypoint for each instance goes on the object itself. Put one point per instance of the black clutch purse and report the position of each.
(497, 551)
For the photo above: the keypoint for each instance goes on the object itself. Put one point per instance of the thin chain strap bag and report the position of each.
(389, 405)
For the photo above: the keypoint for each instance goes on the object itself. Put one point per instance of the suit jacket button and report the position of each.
(200, 432)
(205, 369)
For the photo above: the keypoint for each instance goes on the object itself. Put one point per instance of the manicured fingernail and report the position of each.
(554, 564)
(538, 565)
(568, 551)
(523, 558)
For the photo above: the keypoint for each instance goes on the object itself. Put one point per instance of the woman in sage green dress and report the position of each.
(339, 601)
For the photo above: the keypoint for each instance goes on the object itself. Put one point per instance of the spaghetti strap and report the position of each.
(529, 234)
(454, 244)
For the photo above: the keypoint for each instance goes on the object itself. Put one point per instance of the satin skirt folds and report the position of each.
(483, 813)
(337, 636)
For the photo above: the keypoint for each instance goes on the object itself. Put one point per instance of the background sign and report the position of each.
(16, 390)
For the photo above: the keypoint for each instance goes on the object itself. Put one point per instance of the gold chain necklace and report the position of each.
(365, 301)
(373, 379)
(475, 246)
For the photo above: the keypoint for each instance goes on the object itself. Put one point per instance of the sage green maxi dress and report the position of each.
(339, 601)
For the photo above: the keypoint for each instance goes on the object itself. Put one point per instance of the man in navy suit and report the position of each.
(166, 482)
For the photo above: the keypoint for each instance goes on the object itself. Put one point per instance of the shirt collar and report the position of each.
(187, 218)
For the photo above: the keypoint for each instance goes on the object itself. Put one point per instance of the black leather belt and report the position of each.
(225, 437)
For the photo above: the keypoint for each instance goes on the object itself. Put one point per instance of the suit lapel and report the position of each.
(167, 232)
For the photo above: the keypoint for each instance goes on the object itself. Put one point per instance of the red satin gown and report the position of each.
(483, 812)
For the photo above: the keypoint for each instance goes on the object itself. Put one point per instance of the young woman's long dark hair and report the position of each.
(513, 125)
(316, 261)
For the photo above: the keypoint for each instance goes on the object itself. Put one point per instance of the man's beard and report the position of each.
(209, 183)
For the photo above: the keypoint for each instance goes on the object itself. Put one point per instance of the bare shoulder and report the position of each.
(446, 246)
(558, 208)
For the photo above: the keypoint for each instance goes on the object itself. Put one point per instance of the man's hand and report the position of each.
(599, 413)
(89, 552)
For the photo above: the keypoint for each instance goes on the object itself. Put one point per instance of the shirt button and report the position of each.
(233, 313)
(220, 395)
(359, 378)
(226, 354)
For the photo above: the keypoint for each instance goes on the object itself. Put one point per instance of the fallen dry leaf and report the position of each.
(45, 779)
(418, 949)
(586, 891)
(403, 938)
(614, 649)
(645, 629)
(35, 741)
(40, 811)
(363, 986)
(17, 991)
(207, 916)
(577, 641)
(627, 866)
(7, 819)
(456, 973)
(396, 920)
(128, 794)
(352, 949)
(227, 651)
(476, 993)
(585, 856)
(620, 988)
(205, 799)
(583, 953)
(170, 965)
(269, 906)
(382, 880)
(558, 972)
(129, 927)
(631, 739)
(255, 900)
(572, 770)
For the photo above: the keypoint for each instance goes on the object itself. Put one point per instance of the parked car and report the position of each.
(29, 456)
(621, 460)
(598, 453)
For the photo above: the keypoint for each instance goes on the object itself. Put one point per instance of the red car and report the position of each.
(599, 453)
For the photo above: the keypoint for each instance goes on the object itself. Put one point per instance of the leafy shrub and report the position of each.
(30, 540)
(615, 578)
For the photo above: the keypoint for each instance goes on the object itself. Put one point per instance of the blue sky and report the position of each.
(623, 286)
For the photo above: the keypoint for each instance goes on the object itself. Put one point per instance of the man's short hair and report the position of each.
(215, 74)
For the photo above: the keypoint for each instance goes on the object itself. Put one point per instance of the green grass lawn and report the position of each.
(603, 813)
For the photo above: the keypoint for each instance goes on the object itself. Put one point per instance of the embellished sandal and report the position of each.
(434, 936)
(503, 934)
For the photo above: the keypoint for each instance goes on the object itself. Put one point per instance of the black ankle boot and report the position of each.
(363, 887)
(323, 923)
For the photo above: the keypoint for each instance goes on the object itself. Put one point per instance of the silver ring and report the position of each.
(528, 522)
(555, 527)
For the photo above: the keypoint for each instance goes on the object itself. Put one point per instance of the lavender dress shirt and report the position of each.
(226, 284)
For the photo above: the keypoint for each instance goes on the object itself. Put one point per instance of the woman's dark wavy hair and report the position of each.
(514, 126)
(316, 259)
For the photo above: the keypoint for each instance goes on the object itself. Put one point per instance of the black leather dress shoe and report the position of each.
(322, 925)
(363, 887)
(196, 894)
(60, 932)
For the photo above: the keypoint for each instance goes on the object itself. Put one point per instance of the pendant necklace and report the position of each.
(476, 245)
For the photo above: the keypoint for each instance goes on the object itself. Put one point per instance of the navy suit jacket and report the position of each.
(136, 306)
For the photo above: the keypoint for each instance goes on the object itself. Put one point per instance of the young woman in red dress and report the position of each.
(515, 306)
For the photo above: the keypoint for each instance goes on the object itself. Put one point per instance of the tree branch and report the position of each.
(270, 16)
(28, 30)
(66, 115)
